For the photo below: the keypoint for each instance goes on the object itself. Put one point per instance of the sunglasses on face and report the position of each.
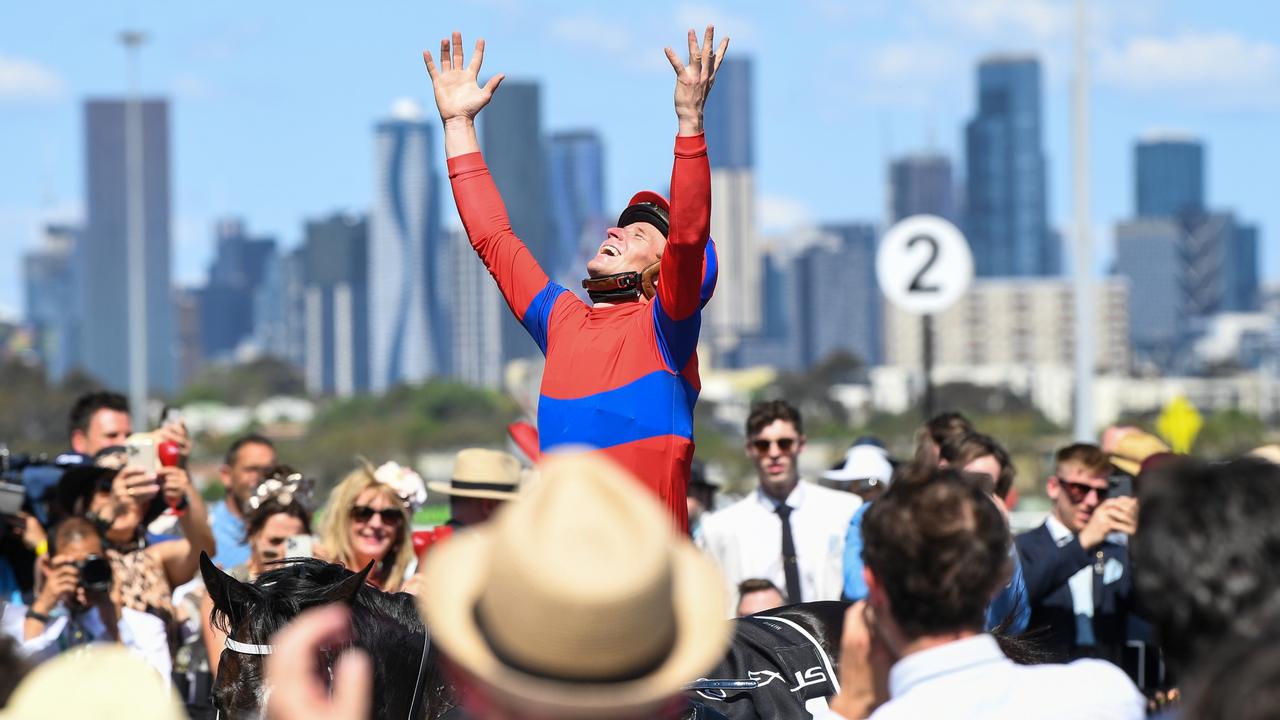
(1077, 491)
(785, 445)
(364, 513)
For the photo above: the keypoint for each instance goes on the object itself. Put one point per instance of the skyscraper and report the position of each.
(1149, 254)
(280, 309)
(103, 253)
(838, 299)
(735, 311)
(408, 327)
(921, 184)
(576, 183)
(336, 305)
(1006, 213)
(511, 138)
(476, 314)
(52, 308)
(1168, 176)
(225, 304)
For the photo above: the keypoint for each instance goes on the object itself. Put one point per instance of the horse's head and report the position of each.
(250, 614)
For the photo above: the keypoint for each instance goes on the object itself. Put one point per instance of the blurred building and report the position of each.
(52, 300)
(511, 138)
(227, 314)
(921, 184)
(735, 311)
(186, 320)
(1006, 208)
(1015, 322)
(576, 185)
(280, 309)
(1168, 175)
(336, 305)
(838, 301)
(408, 325)
(476, 311)
(104, 344)
(1185, 262)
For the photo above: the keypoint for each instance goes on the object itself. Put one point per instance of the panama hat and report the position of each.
(1133, 448)
(488, 474)
(98, 681)
(580, 600)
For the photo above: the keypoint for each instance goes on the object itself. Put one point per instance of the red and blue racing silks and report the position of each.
(622, 378)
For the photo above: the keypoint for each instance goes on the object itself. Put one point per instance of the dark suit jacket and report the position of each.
(1047, 568)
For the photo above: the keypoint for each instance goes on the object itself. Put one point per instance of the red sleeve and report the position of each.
(681, 273)
(485, 218)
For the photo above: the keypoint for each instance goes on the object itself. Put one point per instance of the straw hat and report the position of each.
(1133, 448)
(488, 474)
(580, 600)
(97, 681)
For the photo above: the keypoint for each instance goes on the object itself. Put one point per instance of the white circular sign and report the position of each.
(924, 265)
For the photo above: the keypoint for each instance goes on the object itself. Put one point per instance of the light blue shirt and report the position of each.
(1011, 602)
(228, 532)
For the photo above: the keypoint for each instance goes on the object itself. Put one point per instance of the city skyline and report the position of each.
(245, 139)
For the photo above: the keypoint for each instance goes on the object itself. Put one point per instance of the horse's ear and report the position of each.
(345, 591)
(227, 593)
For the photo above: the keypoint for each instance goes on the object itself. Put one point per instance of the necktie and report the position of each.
(789, 565)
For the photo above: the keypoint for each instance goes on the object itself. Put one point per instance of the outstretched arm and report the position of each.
(687, 273)
(459, 96)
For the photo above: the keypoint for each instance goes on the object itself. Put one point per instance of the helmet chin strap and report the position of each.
(624, 286)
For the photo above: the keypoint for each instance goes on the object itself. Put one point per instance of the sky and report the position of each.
(273, 104)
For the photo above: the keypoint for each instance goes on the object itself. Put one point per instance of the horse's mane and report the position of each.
(386, 625)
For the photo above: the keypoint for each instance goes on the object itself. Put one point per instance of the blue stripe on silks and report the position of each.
(538, 314)
(677, 339)
(710, 271)
(654, 405)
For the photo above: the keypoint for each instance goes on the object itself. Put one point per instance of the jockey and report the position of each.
(621, 374)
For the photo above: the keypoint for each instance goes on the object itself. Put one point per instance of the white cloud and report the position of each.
(738, 28)
(1207, 68)
(1027, 20)
(602, 38)
(908, 75)
(23, 80)
(779, 213)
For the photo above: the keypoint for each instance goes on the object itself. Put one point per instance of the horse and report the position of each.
(409, 681)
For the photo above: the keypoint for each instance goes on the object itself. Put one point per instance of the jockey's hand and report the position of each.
(694, 80)
(295, 670)
(459, 96)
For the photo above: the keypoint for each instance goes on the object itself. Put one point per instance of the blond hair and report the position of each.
(335, 531)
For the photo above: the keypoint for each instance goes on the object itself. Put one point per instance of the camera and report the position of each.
(1120, 484)
(95, 573)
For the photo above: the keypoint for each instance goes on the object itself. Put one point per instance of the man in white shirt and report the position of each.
(936, 552)
(786, 531)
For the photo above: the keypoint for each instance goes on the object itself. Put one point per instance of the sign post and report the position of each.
(924, 266)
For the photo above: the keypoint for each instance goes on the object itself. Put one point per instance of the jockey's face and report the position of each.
(629, 249)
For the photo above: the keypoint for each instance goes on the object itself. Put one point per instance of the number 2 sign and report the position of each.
(923, 265)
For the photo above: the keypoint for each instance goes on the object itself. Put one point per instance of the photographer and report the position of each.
(115, 496)
(77, 602)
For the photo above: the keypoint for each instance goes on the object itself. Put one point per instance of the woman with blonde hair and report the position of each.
(367, 520)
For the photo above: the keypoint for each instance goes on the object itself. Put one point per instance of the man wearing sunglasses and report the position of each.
(1076, 565)
(786, 531)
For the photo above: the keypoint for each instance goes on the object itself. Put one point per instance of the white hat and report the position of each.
(863, 462)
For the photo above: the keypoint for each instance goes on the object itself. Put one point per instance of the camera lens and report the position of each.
(95, 574)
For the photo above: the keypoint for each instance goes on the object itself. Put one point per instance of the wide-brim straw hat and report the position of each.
(484, 474)
(579, 601)
(1134, 448)
(94, 681)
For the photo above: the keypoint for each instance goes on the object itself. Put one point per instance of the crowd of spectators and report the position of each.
(582, 587)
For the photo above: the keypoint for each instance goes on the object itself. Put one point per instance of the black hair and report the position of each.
(1206, 556)
(88, 404)
(765, 413)
(250, 439)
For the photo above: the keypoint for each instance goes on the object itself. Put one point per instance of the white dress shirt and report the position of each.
(971, 678)
(141, 632)
(745, 540)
